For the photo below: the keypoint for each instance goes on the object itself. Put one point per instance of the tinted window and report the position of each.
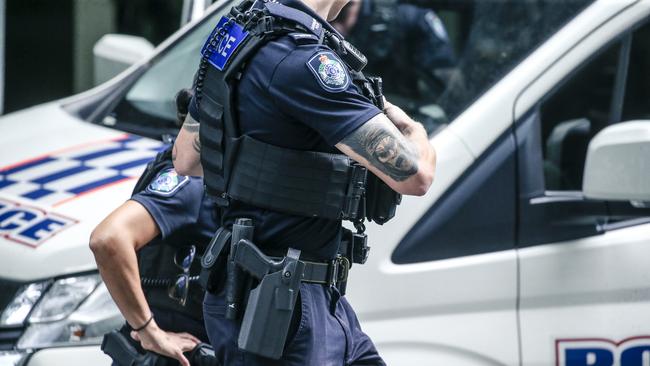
(589, 101)
(477, 215)
(609, 88)
(150, 101)
(438, 56)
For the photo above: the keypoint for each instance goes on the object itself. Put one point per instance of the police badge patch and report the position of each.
(167, 183)
(330, 71)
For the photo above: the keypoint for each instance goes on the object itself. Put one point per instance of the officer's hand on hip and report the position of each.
(169, 344)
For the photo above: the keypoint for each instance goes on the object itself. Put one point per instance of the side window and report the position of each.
(438, 56)
(553, 138)
(611, 88)
(149, 105)
(572, 115)
(476, 215)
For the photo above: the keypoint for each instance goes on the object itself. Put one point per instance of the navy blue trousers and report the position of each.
(325, 332)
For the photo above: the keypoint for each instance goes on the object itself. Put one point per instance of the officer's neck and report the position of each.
(321, 7)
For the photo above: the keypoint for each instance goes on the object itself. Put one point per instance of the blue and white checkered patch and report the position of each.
(59, 176)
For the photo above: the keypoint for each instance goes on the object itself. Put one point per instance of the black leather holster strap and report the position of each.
(304, 183)
(331, 273)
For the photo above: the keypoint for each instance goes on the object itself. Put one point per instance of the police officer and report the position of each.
(406, 44)
(297, 93)
(168, 222)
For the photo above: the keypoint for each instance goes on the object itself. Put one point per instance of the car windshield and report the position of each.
(436, 56)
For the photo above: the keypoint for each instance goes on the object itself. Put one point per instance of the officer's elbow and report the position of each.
(102, 243)
(420, 183)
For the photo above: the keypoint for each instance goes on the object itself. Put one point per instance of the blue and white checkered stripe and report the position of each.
(60, 176)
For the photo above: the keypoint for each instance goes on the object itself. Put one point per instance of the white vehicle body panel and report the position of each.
(595, 291)
(597, 287)
(85, 355)
(413, 312)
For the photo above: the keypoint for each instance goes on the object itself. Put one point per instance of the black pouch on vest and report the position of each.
(381, 200)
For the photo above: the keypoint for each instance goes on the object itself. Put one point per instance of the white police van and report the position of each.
(531, 248)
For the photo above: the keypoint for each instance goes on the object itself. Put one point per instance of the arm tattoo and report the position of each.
(191, 125)
(386, 149)
(196, 144)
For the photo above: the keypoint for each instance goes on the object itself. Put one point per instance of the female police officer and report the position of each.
(168, 221)
(296, 93)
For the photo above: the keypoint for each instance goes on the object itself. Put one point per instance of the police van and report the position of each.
(530, 249)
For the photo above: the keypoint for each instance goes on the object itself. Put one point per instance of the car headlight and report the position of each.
(74, 310)
(63, 298)
(18, 309)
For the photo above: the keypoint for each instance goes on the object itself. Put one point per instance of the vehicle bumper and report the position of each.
(69, 356)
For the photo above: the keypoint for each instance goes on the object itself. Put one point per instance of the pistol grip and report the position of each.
(253, 261)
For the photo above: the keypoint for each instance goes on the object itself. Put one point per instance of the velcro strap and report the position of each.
(304, 183)
(297, 16)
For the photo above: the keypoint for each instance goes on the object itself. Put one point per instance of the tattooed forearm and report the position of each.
(386, 149)
(191, 125)
(196, 144)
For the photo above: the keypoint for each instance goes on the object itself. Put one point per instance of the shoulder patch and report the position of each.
(167, 183)
(330, 72)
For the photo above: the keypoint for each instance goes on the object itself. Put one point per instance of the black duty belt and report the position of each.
(327, 273)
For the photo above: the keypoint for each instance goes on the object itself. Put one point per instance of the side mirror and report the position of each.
(114, 53)
(618, 163)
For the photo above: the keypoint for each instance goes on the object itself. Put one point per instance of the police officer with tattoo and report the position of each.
(168, 221)
(292, 139)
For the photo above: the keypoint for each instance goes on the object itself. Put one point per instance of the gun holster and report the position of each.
(121, 350)
(203, 355)
(270, 305)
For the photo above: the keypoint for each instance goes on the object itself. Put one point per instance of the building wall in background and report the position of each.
(49, 43)
(38, 62)
(92, 19)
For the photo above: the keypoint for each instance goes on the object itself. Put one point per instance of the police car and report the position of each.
(530, 249)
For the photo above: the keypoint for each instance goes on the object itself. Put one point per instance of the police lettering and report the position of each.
(631, 352)
(28, 225)
(225, 45)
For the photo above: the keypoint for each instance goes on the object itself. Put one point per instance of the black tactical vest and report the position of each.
(236, 166)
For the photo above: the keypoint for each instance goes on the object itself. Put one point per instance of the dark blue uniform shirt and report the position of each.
(184, 215)
(297, 95)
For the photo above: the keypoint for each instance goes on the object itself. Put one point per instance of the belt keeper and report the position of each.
(332, 270)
